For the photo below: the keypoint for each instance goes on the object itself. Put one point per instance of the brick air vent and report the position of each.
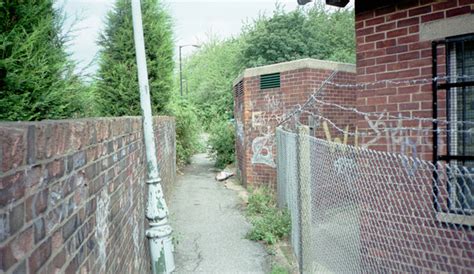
(239, 89)
(270, 81)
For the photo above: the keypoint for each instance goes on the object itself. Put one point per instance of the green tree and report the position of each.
(311, 32)
(302, 33)
(117, 83)
(209, 74)
(187, 128)
(37, 79)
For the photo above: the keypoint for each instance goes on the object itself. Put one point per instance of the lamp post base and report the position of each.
(161, 248)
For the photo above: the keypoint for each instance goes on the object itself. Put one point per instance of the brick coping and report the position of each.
(79, 120)
(294, 65)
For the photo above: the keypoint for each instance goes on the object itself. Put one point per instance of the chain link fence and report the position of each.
(355, 210)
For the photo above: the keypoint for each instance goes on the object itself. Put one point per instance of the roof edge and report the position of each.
(294, 65)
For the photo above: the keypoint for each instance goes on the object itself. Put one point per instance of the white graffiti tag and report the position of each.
(262, 151)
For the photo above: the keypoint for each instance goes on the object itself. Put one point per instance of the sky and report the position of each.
(194, 21)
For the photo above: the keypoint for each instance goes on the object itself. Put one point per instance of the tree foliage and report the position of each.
(209, 74)
(117, 83)
(221, 141)
(313, 32)
(187, 128)
(37, 79)
(302, 33)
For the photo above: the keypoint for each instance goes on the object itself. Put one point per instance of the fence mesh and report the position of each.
(357, 210)
(287, 184)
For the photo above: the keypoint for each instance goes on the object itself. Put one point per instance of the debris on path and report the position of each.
(223, 175)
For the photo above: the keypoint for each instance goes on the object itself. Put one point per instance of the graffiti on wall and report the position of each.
(345, 136)
(102, 230)
(409, 142)
(263, 123)
(399, 139)
(262, 151)
(388, 131)
(239, 126)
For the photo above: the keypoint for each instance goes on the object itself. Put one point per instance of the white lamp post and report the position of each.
(159, 232)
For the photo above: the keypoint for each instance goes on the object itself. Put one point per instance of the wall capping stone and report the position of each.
(309, 63)
(66, 187)
(448, 27)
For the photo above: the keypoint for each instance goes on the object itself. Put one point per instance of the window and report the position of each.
(460, 111)
(453, 99)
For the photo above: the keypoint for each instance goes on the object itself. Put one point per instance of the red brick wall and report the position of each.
(260, 111)
(72, 194)
(389, 48)
(239, 128)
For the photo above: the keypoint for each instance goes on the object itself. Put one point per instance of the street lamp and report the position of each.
(159, 231)
(181, 67)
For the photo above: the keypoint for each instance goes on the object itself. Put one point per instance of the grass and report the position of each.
(269, 223)
(276, 269)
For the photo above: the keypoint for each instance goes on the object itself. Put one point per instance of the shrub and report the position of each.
(270, 224)
(276, 269)
(221, 141)
(187, 129)
(259, 202)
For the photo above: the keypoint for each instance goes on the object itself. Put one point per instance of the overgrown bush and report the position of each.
(270, 224)
(221, 142)
(209, 74)
(276, 269)
(187, 129)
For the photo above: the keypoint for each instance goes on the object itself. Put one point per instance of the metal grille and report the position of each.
(270, 81)
(460, 113)
(369, 211)
(239, 89)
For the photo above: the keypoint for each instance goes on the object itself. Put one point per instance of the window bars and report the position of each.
(456, 105)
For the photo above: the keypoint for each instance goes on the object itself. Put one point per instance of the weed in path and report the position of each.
(276, 269)
(270, 224)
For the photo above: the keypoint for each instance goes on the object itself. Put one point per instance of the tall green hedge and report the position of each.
(117, 83)
(37, 80)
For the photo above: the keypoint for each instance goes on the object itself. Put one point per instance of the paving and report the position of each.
(209, 225)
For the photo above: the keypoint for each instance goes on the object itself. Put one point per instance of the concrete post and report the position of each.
(304, 183)
(159, 233)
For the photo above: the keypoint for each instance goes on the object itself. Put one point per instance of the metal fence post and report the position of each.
(281, 170)
(304, 189)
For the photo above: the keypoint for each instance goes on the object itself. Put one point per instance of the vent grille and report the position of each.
(270, 81)
(239, 89)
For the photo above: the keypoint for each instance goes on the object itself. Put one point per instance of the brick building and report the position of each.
(264, 96)
(413, 97)
(395, 43)
(415, 64)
